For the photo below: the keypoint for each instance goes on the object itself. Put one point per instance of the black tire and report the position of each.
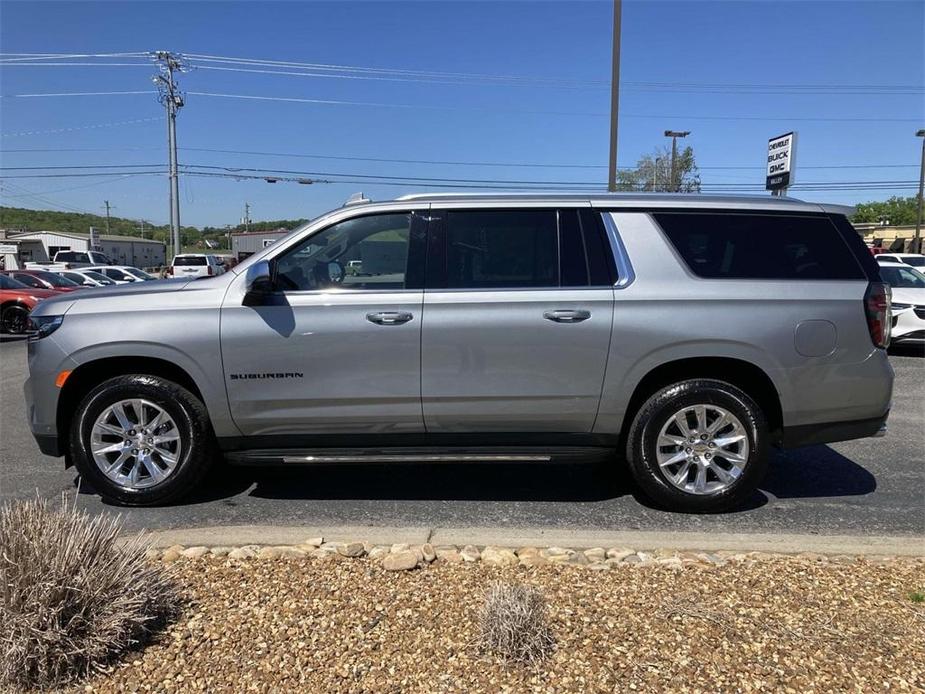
(192, 421)
(656, 411)
(14, 319)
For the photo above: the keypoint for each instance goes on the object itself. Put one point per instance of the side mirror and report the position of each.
(258, 282)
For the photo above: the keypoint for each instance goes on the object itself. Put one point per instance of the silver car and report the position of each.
(686, 334)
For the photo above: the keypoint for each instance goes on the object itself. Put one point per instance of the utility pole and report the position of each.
(142, 228)
(247, 217)
(170, 97)
(917, 243)
(658, 163)
(614, 96)
(675, 184)
(107, 206)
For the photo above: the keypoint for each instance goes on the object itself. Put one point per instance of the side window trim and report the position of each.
(416, 253)
(437, 252)
(624, 267)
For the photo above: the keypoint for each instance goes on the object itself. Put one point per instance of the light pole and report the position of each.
(917, 243)
(675, 185)
(614, 96)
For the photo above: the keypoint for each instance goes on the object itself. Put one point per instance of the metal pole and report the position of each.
(917, 244)
(106, 203)
(614, 96)
(174, 177)
(674, 157)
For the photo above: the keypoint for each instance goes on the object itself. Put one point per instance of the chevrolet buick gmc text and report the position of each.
(688, 334)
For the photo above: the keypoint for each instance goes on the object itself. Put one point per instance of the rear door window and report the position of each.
(190, 260)
(760, 246)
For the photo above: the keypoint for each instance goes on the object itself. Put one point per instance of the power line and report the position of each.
(80, 127)
(53, 94)
(442, 162)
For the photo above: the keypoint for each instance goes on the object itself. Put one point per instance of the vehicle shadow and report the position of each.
(812, 472)
(907, 349)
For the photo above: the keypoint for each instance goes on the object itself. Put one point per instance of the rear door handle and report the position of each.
(567, 315)
(389, 317)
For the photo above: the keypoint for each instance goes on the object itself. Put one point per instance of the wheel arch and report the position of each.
(90, 374)
(748, 377)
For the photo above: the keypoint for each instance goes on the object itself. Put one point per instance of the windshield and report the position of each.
(56, 280)
(914, 260)
(102, 279)
(902, 277)
(7, 282)
(190, 260)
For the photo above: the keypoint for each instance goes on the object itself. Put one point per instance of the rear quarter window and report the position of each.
(760, 246)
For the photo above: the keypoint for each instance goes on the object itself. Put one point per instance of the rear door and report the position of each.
(517, 320)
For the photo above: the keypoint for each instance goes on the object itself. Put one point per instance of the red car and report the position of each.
(41, 279)
(16, 301)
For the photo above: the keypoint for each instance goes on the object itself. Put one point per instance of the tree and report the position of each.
(898, 211)
(653, 172)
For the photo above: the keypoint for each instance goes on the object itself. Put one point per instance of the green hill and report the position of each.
(22, 219)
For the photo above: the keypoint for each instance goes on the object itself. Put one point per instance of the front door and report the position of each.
(336, 348)
(517, 321)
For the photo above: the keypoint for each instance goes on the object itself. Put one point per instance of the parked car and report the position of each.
(122, 274)
(16, 302)
(908, 307)
(69, 260)
(916, 260)
(88, 278)
(195, 265)
(39, 279)
(685, 334)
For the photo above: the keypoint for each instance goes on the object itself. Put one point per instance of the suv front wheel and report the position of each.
(698, 446)
(141, 440)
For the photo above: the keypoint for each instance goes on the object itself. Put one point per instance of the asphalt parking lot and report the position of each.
(865, 487)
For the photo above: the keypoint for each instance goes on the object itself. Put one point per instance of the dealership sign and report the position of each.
(781, 153)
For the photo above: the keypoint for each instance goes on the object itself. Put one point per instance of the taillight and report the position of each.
(877, 307)
(170, 270)
(210, 271)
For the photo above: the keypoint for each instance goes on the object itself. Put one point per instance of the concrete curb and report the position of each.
(237, 535)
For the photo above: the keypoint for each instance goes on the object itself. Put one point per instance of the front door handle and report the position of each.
(567, 315)
(389, 317)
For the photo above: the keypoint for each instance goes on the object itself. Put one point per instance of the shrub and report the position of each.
(72, 597)
(513, 624)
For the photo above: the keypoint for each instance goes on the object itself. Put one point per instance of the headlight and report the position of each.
(43, 326)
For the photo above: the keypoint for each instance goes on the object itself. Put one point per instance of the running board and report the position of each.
(340, 456)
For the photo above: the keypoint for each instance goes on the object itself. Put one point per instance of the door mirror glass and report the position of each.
(258, 278)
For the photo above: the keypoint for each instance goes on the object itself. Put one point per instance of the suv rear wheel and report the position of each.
(141, 440)
(698, 446)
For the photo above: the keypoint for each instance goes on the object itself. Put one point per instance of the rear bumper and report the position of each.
(812, 434)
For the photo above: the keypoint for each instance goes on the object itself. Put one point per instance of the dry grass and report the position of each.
(513, 624)
(71, 597)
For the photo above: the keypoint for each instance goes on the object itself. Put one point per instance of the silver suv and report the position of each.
(687, 334)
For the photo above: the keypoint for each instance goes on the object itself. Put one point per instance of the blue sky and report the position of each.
(560, 121)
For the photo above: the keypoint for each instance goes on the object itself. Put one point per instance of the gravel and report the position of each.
(328, 623)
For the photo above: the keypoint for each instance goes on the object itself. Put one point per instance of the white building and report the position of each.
(122, 250)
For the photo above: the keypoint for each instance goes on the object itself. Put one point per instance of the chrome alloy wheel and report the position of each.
(702, 449)
(135, 443)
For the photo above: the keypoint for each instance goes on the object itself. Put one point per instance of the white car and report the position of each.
(122, 274)
(195, 265)
(916, 260)
(88, 278)
(908, 306)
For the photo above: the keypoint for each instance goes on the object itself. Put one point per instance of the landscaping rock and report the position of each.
(170, 555)
(595, 554)
(377, 552)
(195, 552)
(449, 554)
(498, 556)
(404, 560)
(470, 553)
(351, 549)
(314, 541)
(429, 552)
(619, 553)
